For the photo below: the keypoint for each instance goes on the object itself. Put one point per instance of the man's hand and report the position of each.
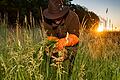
(69, 40)
(61, 44)
(52, 38)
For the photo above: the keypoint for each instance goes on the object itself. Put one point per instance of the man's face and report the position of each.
(58, 21)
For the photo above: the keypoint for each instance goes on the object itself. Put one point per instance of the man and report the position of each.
(60, 20)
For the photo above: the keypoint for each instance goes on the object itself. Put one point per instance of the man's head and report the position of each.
(55, 9)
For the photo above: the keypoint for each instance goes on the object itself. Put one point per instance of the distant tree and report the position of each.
(67, 2)
(24, 7)
(89, 18)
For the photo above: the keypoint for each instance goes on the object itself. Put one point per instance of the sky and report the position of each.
(100, 6)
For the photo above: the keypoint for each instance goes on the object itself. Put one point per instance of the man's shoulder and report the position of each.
(72, 15)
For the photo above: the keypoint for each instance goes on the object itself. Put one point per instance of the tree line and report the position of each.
(13, 9)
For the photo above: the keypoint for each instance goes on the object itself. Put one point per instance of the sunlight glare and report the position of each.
(100, 28)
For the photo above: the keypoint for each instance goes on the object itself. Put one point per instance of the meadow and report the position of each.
(23, 56)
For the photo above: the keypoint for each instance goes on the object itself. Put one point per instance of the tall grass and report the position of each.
(24, 57)
(97, 58)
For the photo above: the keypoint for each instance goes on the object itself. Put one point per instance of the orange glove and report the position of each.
(69, 40)
(52, 38)
(61, 44)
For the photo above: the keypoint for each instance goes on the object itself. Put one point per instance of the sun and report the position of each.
(100, 28)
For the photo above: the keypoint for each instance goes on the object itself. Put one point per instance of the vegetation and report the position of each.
(31, 10)
(90, 19)
(23, 48)
(24, 57)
